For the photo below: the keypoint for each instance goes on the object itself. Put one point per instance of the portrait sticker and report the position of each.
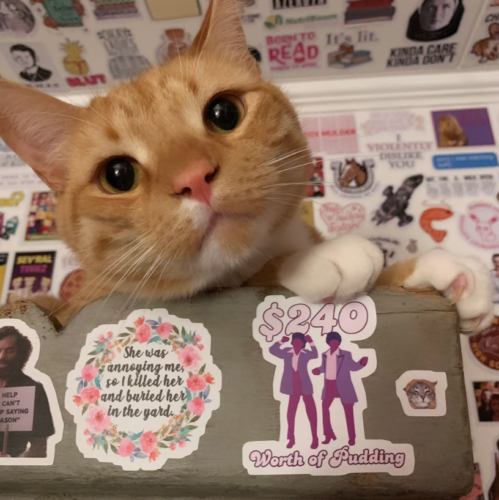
(32, 64)
(30, 419)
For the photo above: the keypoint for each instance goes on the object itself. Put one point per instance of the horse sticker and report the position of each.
(352, 178)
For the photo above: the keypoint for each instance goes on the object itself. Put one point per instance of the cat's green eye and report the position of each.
(224, 113)
(119, 175)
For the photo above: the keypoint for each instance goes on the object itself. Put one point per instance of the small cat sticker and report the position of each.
(421, 394)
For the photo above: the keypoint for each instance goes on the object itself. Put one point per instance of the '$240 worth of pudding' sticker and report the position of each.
(318, 382)
(143, 390)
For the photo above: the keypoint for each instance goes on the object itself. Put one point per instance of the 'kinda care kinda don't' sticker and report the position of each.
(143, 390)
(318, 382)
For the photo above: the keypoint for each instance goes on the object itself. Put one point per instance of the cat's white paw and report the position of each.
(342, 268)
(465, 281)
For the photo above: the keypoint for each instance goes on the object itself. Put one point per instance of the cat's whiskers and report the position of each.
(136, 293)
(120, 281)
(282, 157)
(101, 278)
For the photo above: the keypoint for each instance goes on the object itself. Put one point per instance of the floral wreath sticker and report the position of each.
(143, 390)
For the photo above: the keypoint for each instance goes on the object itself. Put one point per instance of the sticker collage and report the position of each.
(409, 180)
(64, 45)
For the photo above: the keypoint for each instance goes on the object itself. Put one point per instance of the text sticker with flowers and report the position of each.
(143, 390)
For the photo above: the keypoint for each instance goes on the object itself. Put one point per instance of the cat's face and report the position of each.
(171, 181)
(421, 394)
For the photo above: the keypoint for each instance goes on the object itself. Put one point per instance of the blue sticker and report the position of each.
(473, 160)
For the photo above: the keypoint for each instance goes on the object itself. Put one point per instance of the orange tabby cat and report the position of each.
(190, 177)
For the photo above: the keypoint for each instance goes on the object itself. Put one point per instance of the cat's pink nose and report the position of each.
(195, 181)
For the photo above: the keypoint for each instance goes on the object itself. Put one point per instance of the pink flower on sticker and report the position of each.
(143, 333)
(164, 330)
(126, 447)
(148, 442)
(101, 338)
(89, 372)
(154, 455)
(209, 378)
(182, 443)
(200, 347)
(189, 357)
(90, 394)
(198, 338)
(196, 406)
(90, 441)
(109, 335)
(77, 400)
(139, 321)
(196, 383)
(86, 432)
(98, 419)
(173, 446)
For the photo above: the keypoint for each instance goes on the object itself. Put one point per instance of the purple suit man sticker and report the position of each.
(319, 365)
(296, 381)
(337, 367)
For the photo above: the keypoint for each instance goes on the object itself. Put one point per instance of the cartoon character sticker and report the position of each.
(320, 368)
(143, 390)
(435, 20)
(41, 217)
(397, 202)
(15, 18)
(30, 419)
(62, 13)
(31, 275)
(480, 225)
(125, 61)
(353, 178)
(76, 65)
(432, 214)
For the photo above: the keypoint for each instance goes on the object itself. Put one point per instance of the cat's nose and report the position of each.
(195, 181)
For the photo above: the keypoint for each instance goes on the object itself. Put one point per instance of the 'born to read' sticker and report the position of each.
(143, 390)
(318, 381)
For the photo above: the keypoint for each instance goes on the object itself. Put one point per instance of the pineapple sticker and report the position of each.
(74, 62)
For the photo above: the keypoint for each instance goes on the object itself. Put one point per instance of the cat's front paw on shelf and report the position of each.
(341, 269)
(465, 281)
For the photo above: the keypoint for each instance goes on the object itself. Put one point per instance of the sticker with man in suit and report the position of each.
(318, 382)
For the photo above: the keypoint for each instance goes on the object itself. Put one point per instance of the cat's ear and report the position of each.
(33, 125)
(434, 383)
(222, 33)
